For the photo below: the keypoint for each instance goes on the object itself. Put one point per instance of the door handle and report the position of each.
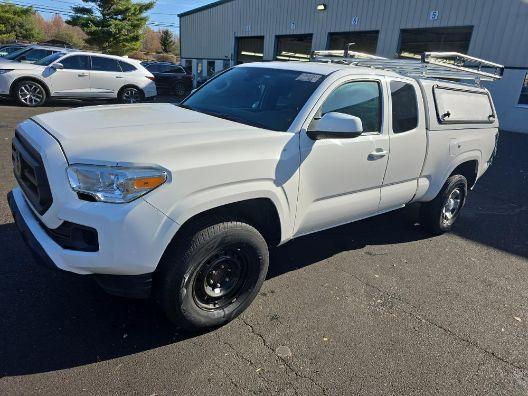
(378, 153)
(82, 75)
(120, 77)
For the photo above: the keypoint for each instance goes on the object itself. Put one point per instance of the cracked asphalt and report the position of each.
(375, 307)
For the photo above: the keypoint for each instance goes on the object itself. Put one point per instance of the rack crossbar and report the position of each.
(440, 65)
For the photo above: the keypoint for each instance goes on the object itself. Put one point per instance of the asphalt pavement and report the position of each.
(375, 307)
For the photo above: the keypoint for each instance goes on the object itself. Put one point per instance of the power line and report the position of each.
(63, 12)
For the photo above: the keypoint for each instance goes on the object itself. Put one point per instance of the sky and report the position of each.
(163, 15)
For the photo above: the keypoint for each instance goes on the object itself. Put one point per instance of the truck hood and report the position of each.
(141, 133)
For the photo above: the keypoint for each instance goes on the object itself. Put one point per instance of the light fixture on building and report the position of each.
(321, 7)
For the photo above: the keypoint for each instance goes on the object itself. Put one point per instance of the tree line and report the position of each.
(116, 27)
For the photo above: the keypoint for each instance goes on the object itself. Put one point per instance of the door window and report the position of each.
(404, 107)
(105, 64)
(359, 98)
(76, 62)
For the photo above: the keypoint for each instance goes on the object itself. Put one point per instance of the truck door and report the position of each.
(340, 179)
(408, 143)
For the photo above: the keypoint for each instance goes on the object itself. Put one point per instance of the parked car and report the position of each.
(79, 75)
(183, 201)
(170, 78)
(10, 48)
(31, 54)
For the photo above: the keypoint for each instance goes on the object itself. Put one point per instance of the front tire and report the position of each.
(212, 274)
(130, 95)
(440, 214)
(29, 93)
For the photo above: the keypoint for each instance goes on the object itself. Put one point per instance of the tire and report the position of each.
(439, 215)
(130, 95)
(179, 89)
(29, 93)
(231, 256)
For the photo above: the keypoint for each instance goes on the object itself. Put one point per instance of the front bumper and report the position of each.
(132, 237)
(131, 286)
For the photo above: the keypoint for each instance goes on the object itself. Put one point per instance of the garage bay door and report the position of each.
(249, 49)
(362, 41)
(417, 41)
(296, 47)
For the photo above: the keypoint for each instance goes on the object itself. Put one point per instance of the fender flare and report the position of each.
(436, 184)
(216, 197)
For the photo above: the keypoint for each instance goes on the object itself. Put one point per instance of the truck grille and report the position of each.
(30, 174)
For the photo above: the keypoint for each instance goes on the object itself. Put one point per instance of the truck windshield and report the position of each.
(257, 96)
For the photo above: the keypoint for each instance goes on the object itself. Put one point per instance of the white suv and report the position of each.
(184, 200)
(79, 75)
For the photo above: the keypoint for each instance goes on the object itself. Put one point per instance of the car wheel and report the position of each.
(440, 214)
(212, 274)
(30, 93)
(179, 89)
(130, 95)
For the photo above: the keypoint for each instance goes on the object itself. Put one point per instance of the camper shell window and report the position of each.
(459, 106)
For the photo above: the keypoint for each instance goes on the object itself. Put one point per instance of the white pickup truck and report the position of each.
(182, 202)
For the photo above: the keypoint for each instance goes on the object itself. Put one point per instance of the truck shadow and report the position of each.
(53, 320)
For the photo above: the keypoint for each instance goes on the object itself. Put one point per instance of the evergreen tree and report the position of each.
(114, 26)
(166, 40)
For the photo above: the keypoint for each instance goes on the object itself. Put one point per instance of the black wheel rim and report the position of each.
(224, 277)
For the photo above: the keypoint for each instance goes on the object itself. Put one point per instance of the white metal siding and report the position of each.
(500, 27)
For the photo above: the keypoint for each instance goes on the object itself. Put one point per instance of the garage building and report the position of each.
(229, 32)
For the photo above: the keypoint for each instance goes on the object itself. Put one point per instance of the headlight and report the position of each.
(4, 71)
(115, 184)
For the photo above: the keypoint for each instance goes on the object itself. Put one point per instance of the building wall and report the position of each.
(500, 32)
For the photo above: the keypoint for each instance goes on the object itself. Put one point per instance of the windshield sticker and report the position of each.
(309, 77)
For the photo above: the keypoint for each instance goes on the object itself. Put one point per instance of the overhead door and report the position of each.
(359, 41)
(249, 49)
(417, 41)
(296, 47)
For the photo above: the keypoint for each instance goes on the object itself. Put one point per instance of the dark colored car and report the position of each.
(32, 53)
(9, 48)
(170, 78)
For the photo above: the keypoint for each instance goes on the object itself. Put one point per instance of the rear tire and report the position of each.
(212, 274)
(29, 93)
(439, 215)
(130, 95)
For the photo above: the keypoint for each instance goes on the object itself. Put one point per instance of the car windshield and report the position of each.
(48, 60)
(257, 96)
(15, 54)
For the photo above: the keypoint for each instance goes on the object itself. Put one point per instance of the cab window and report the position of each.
(360, 99)
(404, 107)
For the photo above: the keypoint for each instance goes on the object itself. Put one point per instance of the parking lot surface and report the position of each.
(375, 307)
